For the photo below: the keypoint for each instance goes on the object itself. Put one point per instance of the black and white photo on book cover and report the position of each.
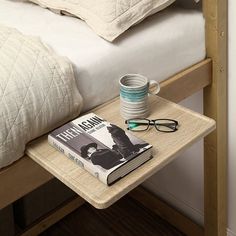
(119, 146)
(97, 145)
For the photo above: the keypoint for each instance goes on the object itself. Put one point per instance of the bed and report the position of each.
(176, 32)
(98, 64)
(151, 46)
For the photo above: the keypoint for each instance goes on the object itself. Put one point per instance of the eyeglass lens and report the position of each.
(163, 125)
(138, 124)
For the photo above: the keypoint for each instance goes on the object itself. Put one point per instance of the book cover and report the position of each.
(102, 148)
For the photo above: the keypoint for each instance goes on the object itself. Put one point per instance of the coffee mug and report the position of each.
(134, 91)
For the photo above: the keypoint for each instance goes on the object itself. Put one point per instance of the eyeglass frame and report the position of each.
(152, 122)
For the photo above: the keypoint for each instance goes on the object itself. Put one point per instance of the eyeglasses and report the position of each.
(162, 125)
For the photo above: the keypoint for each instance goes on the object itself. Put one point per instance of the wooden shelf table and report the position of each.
(166, 147)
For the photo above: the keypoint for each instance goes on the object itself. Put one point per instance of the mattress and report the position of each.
(158, 47)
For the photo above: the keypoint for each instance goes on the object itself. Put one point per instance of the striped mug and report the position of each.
(134, 91)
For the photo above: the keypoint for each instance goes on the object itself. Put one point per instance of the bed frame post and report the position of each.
(215, 106)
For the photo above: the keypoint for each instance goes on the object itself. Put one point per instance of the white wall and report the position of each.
(181, 182)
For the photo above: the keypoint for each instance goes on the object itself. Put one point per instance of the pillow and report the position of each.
(108, 18)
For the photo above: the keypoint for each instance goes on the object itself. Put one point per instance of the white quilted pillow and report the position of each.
(37, 92)
(108, 18)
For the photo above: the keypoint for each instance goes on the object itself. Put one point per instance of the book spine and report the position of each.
(64, 149)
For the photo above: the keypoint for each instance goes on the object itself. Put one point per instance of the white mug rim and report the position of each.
(133, 75)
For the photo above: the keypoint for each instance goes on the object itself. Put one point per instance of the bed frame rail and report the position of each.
(188, 82)
(20, 178)
(215, 106)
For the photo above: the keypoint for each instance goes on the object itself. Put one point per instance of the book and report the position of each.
(100, 147)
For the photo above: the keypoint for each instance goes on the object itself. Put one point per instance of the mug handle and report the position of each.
(154, 87)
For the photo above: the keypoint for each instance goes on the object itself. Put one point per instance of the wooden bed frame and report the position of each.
(211, 74)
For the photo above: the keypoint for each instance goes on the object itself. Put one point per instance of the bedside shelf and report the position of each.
(166, 146)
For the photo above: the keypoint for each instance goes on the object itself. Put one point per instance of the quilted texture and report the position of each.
(108, 18)
(37, 92)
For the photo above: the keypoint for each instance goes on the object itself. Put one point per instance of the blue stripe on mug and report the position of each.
(133, 94)
(133, 99)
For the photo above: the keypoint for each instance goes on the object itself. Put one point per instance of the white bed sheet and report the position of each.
(159, 47)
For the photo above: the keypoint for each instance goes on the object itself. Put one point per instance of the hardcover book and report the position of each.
(104, 149)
